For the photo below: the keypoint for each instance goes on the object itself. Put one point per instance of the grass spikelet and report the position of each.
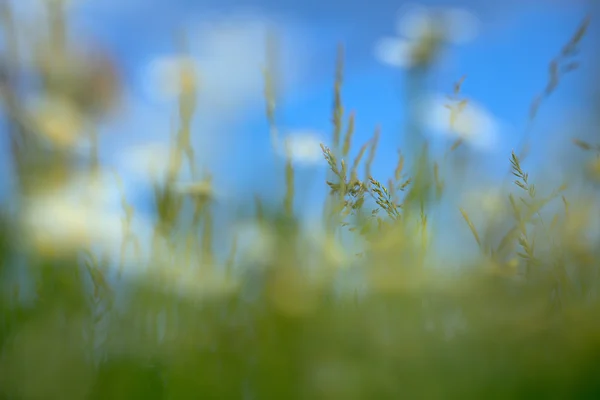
(348, 137)
(458, 85)
(424, 232)
(338, 108)
(356, 162)
(207, 239)
(384, 199)
(523, 178)
(188, 92)
(471, 227)
(289, 187)
(129, 237)
(457, 143)
(566, 205)
(230, 263)
(585, 145)
(439, 184)
(343, 172)
(399, 167)
(372, 151)
(331, 160)
(259, 209)
(561, 65)
(270, 86)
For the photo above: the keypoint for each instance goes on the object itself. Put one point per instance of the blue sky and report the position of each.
(506, 66)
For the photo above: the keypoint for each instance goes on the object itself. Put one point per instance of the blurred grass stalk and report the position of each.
(266, 325)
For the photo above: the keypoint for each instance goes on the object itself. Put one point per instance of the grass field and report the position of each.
(213, 320)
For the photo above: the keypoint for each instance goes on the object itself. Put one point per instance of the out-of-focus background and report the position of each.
(197, 139)
(504, 52)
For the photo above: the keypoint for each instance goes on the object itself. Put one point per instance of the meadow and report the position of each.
(214, 320)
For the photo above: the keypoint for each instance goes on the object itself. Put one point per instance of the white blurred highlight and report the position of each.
(57, 120)
(255, 242)
(485, 205)
(420, 30)
(227, 53)
(463, 26)
(85, 213)
(303, 147)
(458, 25)
(474, 124)
(161, 77)
(413, 21)
(145, 163)
(394, 51)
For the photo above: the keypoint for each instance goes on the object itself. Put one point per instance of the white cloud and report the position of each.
(31, 12)
(145, 162)
(303, 146)
(228, 55)
(474, 124)
(463, 26)
(394, 51)
(161, 78)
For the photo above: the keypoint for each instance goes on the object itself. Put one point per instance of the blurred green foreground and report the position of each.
(215, 322)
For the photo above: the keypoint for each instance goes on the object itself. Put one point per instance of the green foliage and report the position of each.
(519, 322)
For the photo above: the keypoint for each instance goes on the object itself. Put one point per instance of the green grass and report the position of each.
(521, 322)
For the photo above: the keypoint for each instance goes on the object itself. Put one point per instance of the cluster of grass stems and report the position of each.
(521, 322)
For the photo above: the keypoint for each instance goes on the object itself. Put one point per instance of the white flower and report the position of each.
(414, 21)
(470, 122)
(459, 25)
(422, 31)
(456, 25)
(304, 147)
(81, 215)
